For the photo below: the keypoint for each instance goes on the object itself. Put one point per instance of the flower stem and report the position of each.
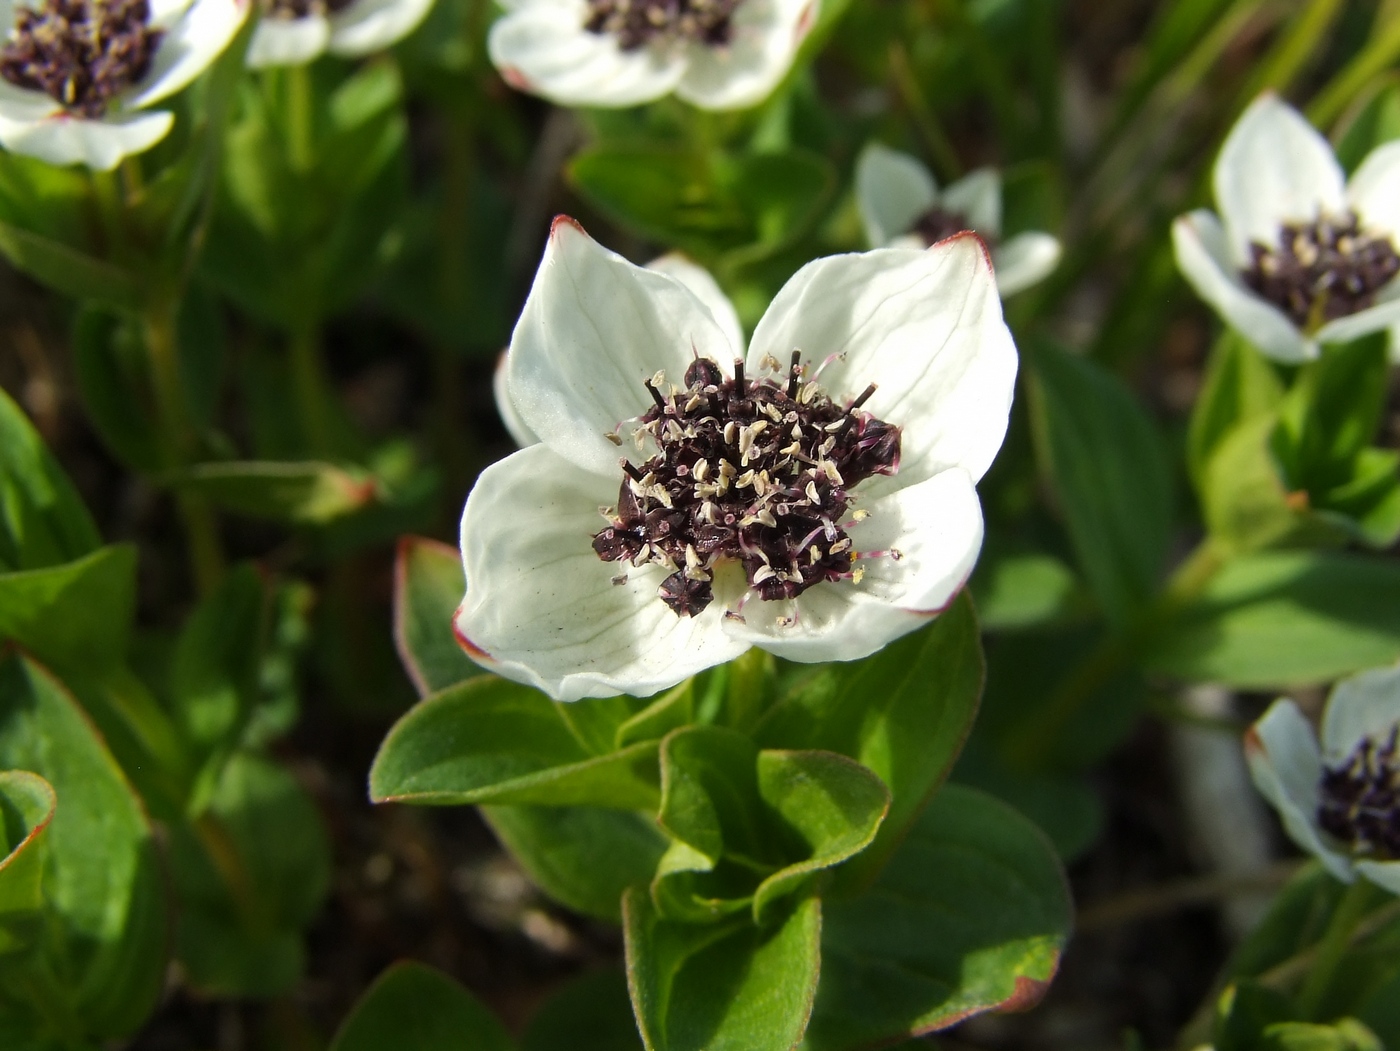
(1333, 946)
(300, 117)
(309, 386)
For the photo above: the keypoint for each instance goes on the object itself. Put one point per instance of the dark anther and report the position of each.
(637, 23)
(1360, 800)
(293, 9)
(794, 374)
(728, 485)
(1322, 270)
(938, 224)
(655, 395)
(864, 397)
(82, 53)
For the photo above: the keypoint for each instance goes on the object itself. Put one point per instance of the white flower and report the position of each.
(696, 278)
(600, 342)
(716, 54)
(1285, 264)
(901, 207)
(294, 32)
(1339, 801)
(167, 43)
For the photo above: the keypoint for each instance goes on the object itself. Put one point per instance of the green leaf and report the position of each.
(251, 871)
(412, 1007)
(1244, 499)
(296, 493)
(112, 368)
(1377, 122)
(1105, 460)
(103, 951)
(492, 741)
(1240, 385)
(969, 916)
(428, 587)
(1021, 591)
(590, 1013)
(27, 804)
(724, 986)
(1285, 618)
(903, 713)
(69, 270)
(42, 520)
(1346, 1034)
(74, 616)
(582, 857)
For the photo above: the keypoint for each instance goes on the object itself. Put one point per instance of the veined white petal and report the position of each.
(1382, 315)
(707, 290)
(366, 26)
(163, 12)
(1273, 168)
(1286, 766)
(593, 329)
(288, 41)
(19, 105)
(1025, 260)
(746, 70)
(1364, 705)
(540, 46)
(1384, 874)
(926, 536)
(1374, 191)
(925, 327)
(1205, 261)
(99, 144)
(188, 48)
(977, 197)
(505, 408)
(893, 190)
(540, 606)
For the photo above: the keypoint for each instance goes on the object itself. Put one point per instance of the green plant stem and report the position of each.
(300, 117)
(936, 140)
(309, 386)
(1333, 946)
(178, 441)
(1375, 58)
(1036, 735)
(1307, 34)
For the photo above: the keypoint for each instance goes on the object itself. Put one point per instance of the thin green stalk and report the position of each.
(1333, 946)
(1380, 54)
(940, 147)
(301, 147)
(1304, 37)
(309, 387)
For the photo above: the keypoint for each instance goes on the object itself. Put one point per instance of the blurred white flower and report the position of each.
(77, 76)
(696, 278)
(1298, 256)
(727, 484)
(294, 32)
(716, 54)
(901, 207)
(1339, 800)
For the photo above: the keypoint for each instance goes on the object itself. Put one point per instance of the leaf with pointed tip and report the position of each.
(970, 915)
(428, 587)
(76, 616)
(582, 857)
(104, 894)
(721, 986)
(492, 741)
(412, 1007)
(27, 804)
(306, 493)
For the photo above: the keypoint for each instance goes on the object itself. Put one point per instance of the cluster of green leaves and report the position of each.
(778, 844)
(107, 734)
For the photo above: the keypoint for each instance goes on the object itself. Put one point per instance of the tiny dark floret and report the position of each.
(754, 472)
(1361, 799)
(82, 53)
(290, 10)
(637, 23)
(1322, 270)
(939, 224)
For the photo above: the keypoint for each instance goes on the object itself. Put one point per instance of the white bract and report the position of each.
(901, 207)
(294, 32)
(1339, 800)
(591, 354)
(715, 54)
(33, 122)
(1262, 264)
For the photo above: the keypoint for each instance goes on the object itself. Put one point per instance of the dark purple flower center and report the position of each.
(939, 224)
(82, 53)
(290, 10)
(1322, 270)
(637, 23)
(1361, 799)
(757, 473)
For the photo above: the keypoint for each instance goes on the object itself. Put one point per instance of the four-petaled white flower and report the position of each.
(715, 54)
(902, 207)
(77, 76)
(1341, 800)
(294, 32)
(1299, 256)
(696, 555)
